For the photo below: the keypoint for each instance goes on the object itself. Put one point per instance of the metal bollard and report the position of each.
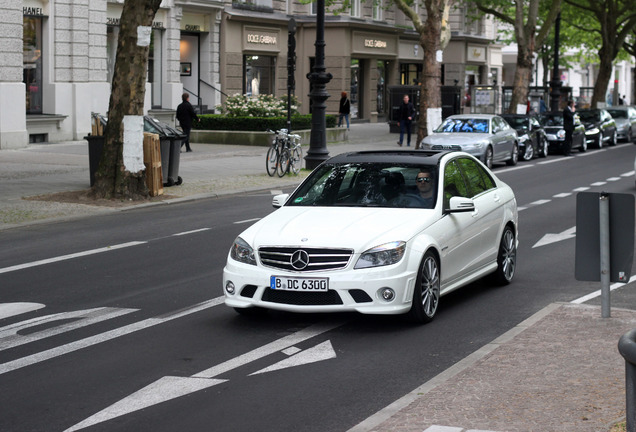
(627, 348)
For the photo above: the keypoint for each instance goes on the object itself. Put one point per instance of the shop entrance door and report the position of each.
(381, 96)
(356, 91)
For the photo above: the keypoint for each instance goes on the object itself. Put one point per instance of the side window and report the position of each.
(454, 184)
(477, 178)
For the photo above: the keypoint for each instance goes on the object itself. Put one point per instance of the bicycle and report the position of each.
(285, 154)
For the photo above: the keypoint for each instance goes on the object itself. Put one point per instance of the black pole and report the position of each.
(555, 84)
(291, 67)
(318, 78)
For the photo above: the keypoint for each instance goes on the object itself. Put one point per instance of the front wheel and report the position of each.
(283, 162)
(614, 139)
(271, 163)
(488, 157)
(296, 160)
(426, 292)
(543, 147)
(506, 258)
(583, 147)
(528, 153)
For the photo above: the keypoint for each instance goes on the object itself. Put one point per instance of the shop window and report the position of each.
(112, 34)
(258, 71)
(32, 63)
(410, 73)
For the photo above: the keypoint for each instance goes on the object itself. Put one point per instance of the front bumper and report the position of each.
(349, 290)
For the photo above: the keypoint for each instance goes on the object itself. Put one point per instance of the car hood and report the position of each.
(552, 129)
(621, 122)
(455, 138)
(351, 227)
(590, 125)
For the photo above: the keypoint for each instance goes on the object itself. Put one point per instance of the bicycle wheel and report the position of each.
(283, 162)
(296, 160)
(271, 163)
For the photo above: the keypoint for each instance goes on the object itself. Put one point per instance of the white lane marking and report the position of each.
(320, 352)
(581, 189)
(247, 221)
(552, 160)
(12, 309)
(191, 232)
(628, 174)
(70, 256)
(103, 337)
(539, 202)
(521, 208)
(170, 387)
(516, 168)
(553, 238)
(562, 195)
(601, 183)
(613, 179)
(10, 338)
(595, 294)
(276, 192)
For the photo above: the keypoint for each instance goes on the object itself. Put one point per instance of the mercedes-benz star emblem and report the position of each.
(299, 260)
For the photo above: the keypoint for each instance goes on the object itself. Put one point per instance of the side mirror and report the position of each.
(460, 205)
(279, 200)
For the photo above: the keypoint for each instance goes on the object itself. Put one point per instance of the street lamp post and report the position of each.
(555, 84)
(318, 78)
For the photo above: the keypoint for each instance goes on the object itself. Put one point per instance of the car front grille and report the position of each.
(299, 259)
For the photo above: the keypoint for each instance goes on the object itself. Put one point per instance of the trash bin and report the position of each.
(170, 141)
(95, 148)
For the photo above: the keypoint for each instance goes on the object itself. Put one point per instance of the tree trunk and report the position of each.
(603, 77)
(521, 81)
(430, 88)
(113, 179)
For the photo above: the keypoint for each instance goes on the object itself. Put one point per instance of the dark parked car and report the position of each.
(532, 139)
(625, 118)
(552, 123)
(600, 127)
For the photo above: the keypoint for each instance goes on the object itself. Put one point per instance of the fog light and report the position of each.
(229, 287)
(387, 294)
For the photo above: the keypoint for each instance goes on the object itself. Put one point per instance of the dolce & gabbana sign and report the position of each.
(365, 43)
(260, 39)
(374, 43)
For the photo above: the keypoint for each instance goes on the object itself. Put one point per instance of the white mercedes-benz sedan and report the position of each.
(377, 232)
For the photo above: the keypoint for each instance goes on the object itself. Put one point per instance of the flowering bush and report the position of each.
(257, 106)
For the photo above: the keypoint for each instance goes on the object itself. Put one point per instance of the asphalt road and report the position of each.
(142, 341)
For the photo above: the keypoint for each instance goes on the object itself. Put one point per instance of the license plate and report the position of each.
(298, 283)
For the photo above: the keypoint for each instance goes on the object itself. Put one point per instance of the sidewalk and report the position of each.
(559, 371)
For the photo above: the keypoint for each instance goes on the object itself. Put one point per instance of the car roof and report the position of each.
(416, 157)
(473, 116)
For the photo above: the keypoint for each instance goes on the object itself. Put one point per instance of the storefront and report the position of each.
(32, 43)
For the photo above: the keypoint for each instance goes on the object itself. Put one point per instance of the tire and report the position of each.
(488, 157)
(296, 160)
(528, 154)
(583, 147)
(599, 143)
(283, 162)
(613, 140)
(271, 162)
(514, 155)
(426, 292)
(506, 258)
(543, 147)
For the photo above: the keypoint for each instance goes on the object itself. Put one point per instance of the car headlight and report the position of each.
(480, 144)
(592, 131)
(561, 134)
(386, 254)
(242, 252)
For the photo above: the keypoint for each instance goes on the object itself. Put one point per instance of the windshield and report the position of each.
(589, 115)
(517, 122)
(368, 185)
(464, 125)
(618, 113)
(552, 120)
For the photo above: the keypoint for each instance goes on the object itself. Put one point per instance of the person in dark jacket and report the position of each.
(407, 114)
(185, 115)
(344, 110)
(568, 127)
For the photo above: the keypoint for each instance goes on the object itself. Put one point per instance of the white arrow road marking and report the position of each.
(12, 309)
(553, 238)
(10, 338)
(171, 387)
(323, 351)
(103, 337)
(164, 389)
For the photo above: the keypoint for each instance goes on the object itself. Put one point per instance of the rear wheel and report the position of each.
(614, 139)
(271, 162)
(583, 147)
(506, 258)
(514, 155)
(426, 292)
(296, 160)
(283, 162)
(488, 157)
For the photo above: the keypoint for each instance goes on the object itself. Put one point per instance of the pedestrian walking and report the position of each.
(568, 127)
(407, 113)
(185, 115)
(344, 110)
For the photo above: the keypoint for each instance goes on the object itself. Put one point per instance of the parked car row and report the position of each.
(510, 137)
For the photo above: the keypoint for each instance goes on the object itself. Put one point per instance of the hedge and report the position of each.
(220, 122)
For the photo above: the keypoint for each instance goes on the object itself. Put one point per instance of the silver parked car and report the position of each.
(625, 118)
(488, 137)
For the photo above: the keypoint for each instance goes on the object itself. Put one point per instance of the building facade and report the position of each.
(58, 59)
